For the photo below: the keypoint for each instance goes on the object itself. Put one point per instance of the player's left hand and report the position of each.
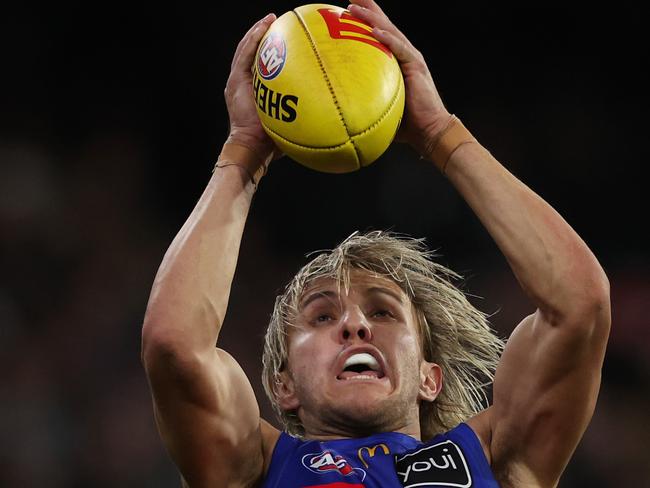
(425, 114)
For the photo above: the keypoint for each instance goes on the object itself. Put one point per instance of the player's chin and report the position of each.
(362, 394)
(367, 411)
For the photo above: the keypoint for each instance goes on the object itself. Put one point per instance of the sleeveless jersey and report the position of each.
(454, 459)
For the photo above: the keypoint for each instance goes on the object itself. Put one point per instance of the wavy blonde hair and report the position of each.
(454, 334)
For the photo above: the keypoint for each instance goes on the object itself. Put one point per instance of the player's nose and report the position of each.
(354, 327)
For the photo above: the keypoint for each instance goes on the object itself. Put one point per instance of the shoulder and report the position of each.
(508, 472)
(270, 438)
(481, 425)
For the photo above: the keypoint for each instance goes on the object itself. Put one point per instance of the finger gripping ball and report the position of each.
(327, 92)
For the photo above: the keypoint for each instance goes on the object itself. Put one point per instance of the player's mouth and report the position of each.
(361, 366)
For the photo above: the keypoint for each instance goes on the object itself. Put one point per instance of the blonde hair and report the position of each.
(454, 334)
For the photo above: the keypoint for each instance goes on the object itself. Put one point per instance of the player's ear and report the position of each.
(285, 391)
(430, 381)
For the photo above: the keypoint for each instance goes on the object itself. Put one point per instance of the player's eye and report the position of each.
(382, 313)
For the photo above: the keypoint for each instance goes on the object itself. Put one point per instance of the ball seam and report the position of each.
(390, 107)
(385, 114)
(296, 144)
(330, 87)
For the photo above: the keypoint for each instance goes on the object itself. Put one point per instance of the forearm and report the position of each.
(551, 262)
(190, 293)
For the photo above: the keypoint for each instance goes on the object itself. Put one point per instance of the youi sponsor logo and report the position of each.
(442, 464)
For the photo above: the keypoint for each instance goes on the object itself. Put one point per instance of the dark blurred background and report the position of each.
(111, 118)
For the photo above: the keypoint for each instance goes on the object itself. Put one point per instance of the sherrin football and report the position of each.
(327, 92)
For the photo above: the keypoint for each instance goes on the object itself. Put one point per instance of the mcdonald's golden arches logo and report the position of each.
(371, 452)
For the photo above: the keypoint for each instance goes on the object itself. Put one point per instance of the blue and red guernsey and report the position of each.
(454, 459)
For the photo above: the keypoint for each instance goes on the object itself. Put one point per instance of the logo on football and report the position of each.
(342, 25)
(272, 56)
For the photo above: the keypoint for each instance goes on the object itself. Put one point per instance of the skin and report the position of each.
(375, 316)
(547, 381)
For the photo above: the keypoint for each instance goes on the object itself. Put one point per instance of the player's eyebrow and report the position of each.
(332, 295)
(315, 295)
(387, 291)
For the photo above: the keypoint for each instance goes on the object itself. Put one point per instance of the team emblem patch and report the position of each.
(442, 464)
(271, 56)
(328, 462)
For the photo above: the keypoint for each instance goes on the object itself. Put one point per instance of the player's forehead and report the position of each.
(361, 282)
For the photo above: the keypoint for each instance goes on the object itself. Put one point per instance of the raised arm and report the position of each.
(548, 379)
(204, 405)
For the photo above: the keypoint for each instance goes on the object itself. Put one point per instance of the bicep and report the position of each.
(208, 418)
(545, 391)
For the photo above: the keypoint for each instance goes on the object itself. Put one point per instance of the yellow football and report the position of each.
(327, 92)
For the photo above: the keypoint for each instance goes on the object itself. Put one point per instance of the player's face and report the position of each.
(355, 362)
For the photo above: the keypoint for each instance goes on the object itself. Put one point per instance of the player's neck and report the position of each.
(330, 433)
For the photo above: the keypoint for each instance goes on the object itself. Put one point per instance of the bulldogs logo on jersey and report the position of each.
(442, 464)
(328, 462)
(272, 56)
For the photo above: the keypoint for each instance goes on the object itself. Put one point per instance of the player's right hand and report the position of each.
(245, 125)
